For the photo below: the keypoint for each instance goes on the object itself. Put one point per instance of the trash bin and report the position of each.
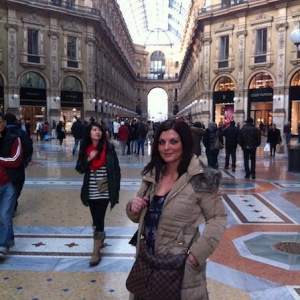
(294, 158)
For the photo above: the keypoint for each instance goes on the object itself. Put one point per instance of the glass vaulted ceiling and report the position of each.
(155, 22)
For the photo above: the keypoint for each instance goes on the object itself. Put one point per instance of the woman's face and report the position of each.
(170, 146)
(96, 133)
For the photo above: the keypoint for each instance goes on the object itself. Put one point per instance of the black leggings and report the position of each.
(98, 209)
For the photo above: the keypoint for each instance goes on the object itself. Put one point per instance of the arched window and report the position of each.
(157, 65)
(33, 80)
(296, 79)
(261, 80)
(224, 84)
(71, 83)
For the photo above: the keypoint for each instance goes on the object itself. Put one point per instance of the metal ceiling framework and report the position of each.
(155, 22)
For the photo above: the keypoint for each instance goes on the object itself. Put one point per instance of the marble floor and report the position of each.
(258, 257)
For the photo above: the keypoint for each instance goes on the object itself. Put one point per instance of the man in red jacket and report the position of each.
(11, 173)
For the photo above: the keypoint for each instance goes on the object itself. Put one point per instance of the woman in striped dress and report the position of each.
(99, 163)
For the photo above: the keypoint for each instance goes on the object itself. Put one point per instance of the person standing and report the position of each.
(123, 136)
(116, 126)
(11, 174)
(134, 128)
(141, 134)
(176, 194)
(249, 139)
(60, 130)
(209, 143)
(77, 130)
(198, 132)
(274, 138)
(287, 130)
(27, 146)
(98, 162)
(53, 130)
(38, 130)
(231, 134)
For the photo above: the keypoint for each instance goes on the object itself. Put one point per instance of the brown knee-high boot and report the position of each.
(98, 243)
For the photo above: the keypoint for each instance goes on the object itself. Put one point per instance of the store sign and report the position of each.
(223, 97)
(260, 95)
(69, 96)
(32, 94)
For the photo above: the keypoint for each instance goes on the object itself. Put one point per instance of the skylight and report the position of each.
(155, 22)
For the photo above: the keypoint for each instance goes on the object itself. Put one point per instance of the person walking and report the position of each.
(198, 132)
(209, 144)
(11, 174)
(116, 126)
(38, 130)
(60, 130)
(53, 130)
(77, 130)
(287, 130)
(231, 134)
(98, 162)
(274, 138)
(123, 136)
(141, 134)
(177, 193)
(134, 144)
(27, 146)
(249, 139)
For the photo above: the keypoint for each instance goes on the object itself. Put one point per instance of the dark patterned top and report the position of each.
(152, 219)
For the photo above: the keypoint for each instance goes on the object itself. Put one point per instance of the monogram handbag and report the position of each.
(279, 148)
(156, 277)
(102, 184)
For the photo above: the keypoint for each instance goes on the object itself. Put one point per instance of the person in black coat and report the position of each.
(274, 138)
(99, 163)
(231, 134)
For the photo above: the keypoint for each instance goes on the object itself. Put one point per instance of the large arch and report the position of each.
(157, 103)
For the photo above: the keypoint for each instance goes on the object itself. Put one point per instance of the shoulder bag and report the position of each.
(154, 277)
(217, 143)
(102, 184)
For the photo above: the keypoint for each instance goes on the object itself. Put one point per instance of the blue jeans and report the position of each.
(141, 145)
(134, 146)
(77, 141)
(7, 205)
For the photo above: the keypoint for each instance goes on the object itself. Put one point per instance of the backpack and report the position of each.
(26, 142)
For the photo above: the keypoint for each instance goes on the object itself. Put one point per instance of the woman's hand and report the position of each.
(93, 154)
(138, 204)
(193, 260)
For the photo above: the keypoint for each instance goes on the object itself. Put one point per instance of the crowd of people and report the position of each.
(175, 175)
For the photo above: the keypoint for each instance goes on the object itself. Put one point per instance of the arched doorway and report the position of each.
(260, 100)
(71, 101)
(294, 103)
(223, 106)
(157, 105)
(33, 99)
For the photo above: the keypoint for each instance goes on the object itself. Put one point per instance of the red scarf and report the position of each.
(97, 162)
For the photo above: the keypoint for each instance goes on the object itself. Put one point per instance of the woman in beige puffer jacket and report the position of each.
(189, 194)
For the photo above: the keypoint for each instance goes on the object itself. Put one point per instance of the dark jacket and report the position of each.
(231, 134)
(274, 136)
(77, 130)
(249, 137)
(198, 135)
(113, 176)
(209, 137)
(10, 146)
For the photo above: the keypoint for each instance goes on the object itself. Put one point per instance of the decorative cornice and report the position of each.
(13, 26)
(279, 26)
(261, 19)
(33, 19)
(72, 27)
(225, 27)
(50, 33)
(207, 40)
(89, 40)
(241, 32)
